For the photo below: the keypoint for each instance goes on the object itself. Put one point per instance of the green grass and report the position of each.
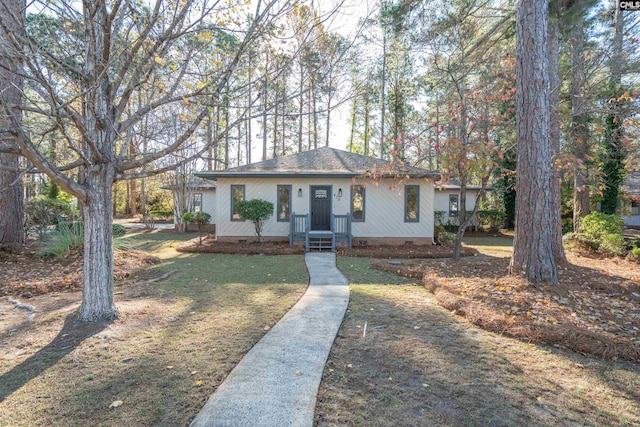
(175, 342)
(500, 247)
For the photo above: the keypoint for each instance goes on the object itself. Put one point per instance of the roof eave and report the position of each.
(260, 174)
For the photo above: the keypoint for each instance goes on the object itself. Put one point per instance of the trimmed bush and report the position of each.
(118, 230)
(163, 215)
(612, 244)
(579, 243)
(256, 211)
(598, 224)
(634, 255)
(600, 233)
(492, 219)
(199, 218)
(446, 239)
(41, 213)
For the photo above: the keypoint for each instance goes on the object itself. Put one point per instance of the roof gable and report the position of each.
(325, 161)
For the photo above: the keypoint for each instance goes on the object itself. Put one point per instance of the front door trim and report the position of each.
(329, 189)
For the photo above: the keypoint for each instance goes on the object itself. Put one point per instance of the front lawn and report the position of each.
(401, 359)
(176, 340)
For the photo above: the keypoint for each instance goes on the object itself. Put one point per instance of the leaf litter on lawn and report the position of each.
(595, 309)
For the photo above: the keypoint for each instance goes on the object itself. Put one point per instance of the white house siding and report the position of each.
(384, 207)
(441, 202)
(209, 204)
(632, 221)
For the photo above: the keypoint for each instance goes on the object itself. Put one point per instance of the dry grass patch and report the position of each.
(175, 342)
(419, 365)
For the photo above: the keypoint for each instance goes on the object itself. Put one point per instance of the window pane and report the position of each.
(284, 202)
(453, 205)
(635, 208)
(197, 202)
(411, 203)
(357, 203)
(237, 195)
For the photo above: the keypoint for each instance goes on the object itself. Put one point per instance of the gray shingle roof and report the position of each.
(325, 161)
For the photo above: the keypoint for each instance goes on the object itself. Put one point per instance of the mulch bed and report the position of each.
(209, 245)
(25, 275)
(595, 309)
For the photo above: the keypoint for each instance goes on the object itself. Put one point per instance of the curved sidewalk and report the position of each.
(276, 383)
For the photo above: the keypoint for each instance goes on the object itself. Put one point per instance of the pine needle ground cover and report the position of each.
(594, 310)
(402, 359)
(175, 342)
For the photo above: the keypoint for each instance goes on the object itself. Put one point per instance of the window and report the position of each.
(635, 208)
(411, 203)
(237, 195)
(357, 203)
(284, 203)
(197, 202)
(453, 205)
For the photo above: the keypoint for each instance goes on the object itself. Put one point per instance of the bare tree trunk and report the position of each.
(354, 111)
(532, 248)
(275, 123)
(457, 244)
(326, 142)
(554, 120)
(384, 82)
(284, 116)
(579, 124)
(301, 112)
(265, 126)
(248, 115)
(11, 188)
(210, 142)
(315, 117)
(227, 134)
(97, 296)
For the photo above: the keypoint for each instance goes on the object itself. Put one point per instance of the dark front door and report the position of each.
(321, 207)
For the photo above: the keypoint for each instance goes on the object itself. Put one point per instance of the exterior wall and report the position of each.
(209, 205)
(632, 220)
(441, 203)
(384, 207)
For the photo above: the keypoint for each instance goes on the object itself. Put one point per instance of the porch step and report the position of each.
(321, 240)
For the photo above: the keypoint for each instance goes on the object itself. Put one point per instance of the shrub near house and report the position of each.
(257, 211)
(599, 232)
(198, 218)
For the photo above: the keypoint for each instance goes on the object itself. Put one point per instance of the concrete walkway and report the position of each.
(276, 383)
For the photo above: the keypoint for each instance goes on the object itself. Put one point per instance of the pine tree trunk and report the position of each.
(579, 125)
(554, 120)
(11, 188)
(613, 155)
(532, 248)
